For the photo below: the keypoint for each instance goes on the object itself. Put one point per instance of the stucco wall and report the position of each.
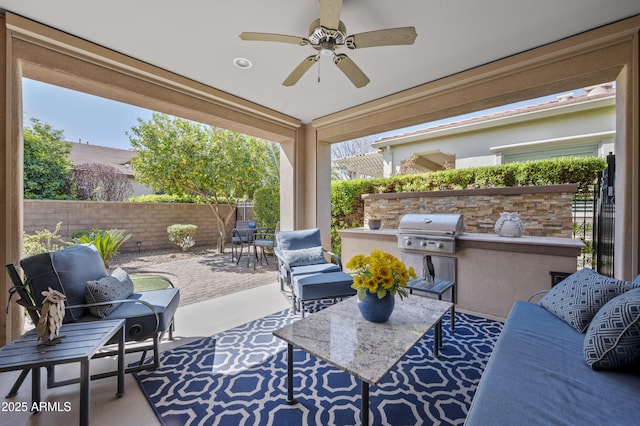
(146, 222)
(475, 145)
(545, 210)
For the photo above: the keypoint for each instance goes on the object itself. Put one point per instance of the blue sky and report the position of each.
(92, 119)
(104, 122)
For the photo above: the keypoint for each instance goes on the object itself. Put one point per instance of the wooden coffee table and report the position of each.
(341, 337)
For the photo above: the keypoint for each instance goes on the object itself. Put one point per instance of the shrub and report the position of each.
(42, 241)
(75, 235)
(266, 207)
(183, 236)
(107, 242)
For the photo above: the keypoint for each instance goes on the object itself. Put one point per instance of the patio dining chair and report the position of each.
(242, 239)
(265, 240)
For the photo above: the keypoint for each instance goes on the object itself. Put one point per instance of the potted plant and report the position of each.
(378, 278)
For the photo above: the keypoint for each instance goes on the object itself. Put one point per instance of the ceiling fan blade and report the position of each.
(281, 38)
(388, 37)
(330, 13)
(299, 71)
(351, 70)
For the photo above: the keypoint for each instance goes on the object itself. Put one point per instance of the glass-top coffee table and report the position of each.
(340, 336)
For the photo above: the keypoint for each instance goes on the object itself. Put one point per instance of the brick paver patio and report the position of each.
(203, 277)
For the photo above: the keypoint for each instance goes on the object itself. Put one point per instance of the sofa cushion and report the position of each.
(613, 337)
(118, 286)
(67, 271)
(303, 256)
(314, 269)
(537, 376)
(577, 298)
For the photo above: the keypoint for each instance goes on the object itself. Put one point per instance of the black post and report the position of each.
(364, 412)
(290, 399)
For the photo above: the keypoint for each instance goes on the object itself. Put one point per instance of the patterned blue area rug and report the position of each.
(239, 378)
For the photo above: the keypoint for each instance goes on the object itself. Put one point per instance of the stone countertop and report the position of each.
(340, 336)
(473, 239)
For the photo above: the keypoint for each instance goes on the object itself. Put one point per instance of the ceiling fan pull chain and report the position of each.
(319, 61)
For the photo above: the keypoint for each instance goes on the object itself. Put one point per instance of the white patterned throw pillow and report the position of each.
(613, 338)
(577, 298)
(303, 257)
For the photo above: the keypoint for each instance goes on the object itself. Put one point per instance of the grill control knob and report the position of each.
(407, 242)
(440, 245)
(423, 244)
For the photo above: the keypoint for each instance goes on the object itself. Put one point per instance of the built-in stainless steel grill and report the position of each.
(425, 240)
(429, 232)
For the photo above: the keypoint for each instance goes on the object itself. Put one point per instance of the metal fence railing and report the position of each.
(604, 224)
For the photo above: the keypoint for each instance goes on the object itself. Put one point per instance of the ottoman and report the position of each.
(327, 285)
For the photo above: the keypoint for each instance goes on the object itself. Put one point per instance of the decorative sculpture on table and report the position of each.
(509, 225)
(51, 317)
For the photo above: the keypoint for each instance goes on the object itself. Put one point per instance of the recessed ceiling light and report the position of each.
(242, 63)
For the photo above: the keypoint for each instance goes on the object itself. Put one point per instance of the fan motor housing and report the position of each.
(319, 34)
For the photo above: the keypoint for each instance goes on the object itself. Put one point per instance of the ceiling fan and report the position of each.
(328, 34)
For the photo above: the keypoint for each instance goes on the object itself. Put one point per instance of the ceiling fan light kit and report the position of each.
(329, 33)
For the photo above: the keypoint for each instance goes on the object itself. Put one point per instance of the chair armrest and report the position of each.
(147, 304)
(537, 293)
(335, 257)
(282, 261)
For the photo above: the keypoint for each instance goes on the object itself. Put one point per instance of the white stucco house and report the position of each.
(570, 125)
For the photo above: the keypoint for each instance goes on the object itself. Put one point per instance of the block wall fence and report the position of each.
(545, 210)
(146, 222)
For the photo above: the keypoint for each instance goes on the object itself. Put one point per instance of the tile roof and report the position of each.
(591, 93)
(118, 158)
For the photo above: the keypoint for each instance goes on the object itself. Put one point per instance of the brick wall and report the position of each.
(545, 210)
(146, 222)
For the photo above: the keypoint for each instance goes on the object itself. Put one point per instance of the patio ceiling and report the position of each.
(199, 40)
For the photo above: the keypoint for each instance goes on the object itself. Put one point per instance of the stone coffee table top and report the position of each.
(340, 336)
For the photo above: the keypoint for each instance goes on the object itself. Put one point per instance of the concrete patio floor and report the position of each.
(244, 295)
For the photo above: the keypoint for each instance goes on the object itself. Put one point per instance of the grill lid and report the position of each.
(449, 224)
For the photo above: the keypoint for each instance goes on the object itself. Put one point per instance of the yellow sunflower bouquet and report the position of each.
(380, 273)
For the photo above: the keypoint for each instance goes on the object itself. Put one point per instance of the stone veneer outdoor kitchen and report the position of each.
(492, 271)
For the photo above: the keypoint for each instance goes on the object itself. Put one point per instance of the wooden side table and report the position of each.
(80, 343)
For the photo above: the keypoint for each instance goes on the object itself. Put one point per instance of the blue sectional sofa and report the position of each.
(539, 372)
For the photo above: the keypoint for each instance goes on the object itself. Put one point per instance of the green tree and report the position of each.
(46, 163)
(181, 157)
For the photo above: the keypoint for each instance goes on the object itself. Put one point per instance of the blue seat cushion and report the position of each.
(314, 269)
(140, 320)
(537, 375)
(323, 285)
